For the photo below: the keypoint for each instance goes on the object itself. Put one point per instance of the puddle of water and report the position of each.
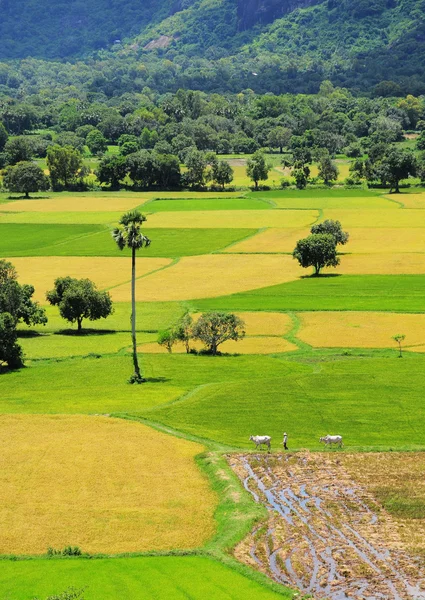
(323, 538)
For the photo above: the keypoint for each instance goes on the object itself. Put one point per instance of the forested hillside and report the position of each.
(222, 45)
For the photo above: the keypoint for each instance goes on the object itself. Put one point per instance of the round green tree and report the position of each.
(318, 250)
(26, 177)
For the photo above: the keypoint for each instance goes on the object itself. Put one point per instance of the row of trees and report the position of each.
(211, 328)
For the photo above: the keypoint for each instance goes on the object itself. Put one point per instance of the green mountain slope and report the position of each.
(266, 45)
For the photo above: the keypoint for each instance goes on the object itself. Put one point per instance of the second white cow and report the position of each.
(332, 439)
(260, 440)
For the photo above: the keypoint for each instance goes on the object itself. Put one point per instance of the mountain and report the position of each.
(266, 45)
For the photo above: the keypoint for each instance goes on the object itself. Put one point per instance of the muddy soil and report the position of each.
(325, 535)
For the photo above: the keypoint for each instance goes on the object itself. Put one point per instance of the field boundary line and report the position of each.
(173, 262)
(251, 235)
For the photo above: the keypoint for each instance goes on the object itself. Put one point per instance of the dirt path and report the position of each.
(325, 535)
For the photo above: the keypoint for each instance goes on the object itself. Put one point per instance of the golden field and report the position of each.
(408, 200)
(343, 203)
(212, 275)
(360, 329)
(385, 240)
(380, 264)
(99, 483)
(248, 345)
(232, 219)
(75, 203)
(41, 271)
(377, 218)
(270, 240)
(263, 323)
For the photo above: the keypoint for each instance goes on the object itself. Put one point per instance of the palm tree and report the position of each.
(129, 235)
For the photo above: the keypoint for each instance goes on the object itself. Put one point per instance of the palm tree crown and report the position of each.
(129, 234)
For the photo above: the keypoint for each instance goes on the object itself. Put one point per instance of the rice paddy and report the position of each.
(393, 263)
(98, 483)
(378, 218)
(245, 219)
(360, 329)
(270, 241)
(384, 240)
(142, 578)
(318, 357)
(209, 276)
(76, 203)
(41, 271)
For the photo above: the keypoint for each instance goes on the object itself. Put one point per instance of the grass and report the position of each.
(25, 239)
(97, 384)
(394, 293)
(242, 219)
(150, 317)
(209, 276)
(375, 401)
(63, 345)
(144, 578)
(116, 493)
(200, 203)
(360, 329)
(165, 243)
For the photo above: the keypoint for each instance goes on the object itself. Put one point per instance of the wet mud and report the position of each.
(325, 535)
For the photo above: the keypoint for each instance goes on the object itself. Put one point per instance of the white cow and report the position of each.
(332, 439)
(260, 440)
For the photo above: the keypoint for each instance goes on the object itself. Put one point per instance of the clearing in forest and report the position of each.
(101, 484)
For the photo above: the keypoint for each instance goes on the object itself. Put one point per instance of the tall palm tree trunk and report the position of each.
(137, 376)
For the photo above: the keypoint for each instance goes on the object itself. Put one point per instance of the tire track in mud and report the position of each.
(325, 535)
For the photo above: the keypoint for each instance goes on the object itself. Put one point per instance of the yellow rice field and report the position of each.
(360, 329)
(270, 240)
(409, 200)
(385, 240)
(41, 271)
(232, 219)
(263, 323)
(380, 264)
(249, 345)
(368, 203)
(212, 275)
(81, 217)
(75, 204)
(99, 483)
(377, 218)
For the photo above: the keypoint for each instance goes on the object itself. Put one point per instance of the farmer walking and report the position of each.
(285, 441)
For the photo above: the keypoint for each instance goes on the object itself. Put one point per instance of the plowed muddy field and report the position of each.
(325, 534)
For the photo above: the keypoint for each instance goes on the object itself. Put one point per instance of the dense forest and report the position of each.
(170, 141)
(280, 46)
